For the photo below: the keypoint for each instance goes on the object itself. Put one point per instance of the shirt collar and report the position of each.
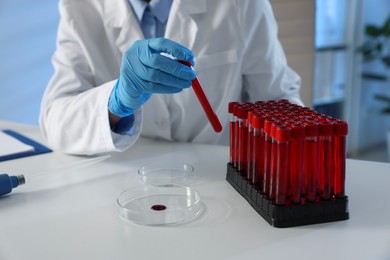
(160, 8)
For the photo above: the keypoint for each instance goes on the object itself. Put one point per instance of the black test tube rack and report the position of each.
(291, 215)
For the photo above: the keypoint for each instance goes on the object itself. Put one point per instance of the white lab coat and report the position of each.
(237, 55)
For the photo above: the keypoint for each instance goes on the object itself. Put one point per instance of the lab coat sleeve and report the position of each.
(266, 74)
(74, 112)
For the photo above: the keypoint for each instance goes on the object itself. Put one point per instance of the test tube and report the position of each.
(325, 132)
(242, 140)
(250, 146)
(236, 135)
(204, 102)
(274, 151)
(258, 151)
(339, 144)
(311, 161)
(282, 138)
(267, 154)
(296, 183)
(232, 125)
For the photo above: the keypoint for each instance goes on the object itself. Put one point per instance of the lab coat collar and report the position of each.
(116, 11)
(118, 14)
(159, 8)
(139, 7)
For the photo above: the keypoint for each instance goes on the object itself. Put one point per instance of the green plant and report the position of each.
(377, 47)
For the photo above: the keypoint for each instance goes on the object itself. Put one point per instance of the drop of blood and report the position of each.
(158, 207)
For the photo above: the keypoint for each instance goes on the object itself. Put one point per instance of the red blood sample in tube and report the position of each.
(267, 154)
(242, 140)
(282, 137)
(204, 102)
(236, 136)
(250, 146)
(258, 151)
(340, 135)
(232, 124)
(311, 161)
(296, 183)
(325, 131)
(272, 179)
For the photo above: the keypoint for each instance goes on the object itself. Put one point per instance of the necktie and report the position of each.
(149, 23)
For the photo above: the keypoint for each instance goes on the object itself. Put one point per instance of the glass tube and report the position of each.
(341, 130)
(282, 137)
(311, 162)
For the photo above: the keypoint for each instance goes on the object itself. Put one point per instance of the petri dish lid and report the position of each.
(162, 173)
(158, 205)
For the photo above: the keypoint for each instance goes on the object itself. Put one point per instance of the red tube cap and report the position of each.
(235, 109)
(231, 106)
(340, 127)
(298, 131)
(325, 128)
(258, 121)
(251, 113)
(268, 124)
(311, 129)
(282, 134)
(242, 112)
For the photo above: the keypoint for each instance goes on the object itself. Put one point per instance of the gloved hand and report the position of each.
(145, 71)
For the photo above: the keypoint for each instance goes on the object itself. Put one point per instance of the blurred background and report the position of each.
(321, 39)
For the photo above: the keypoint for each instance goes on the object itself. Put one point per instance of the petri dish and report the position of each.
(158, 205)
(162, 173)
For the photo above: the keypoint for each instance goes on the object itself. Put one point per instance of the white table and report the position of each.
(73, 215)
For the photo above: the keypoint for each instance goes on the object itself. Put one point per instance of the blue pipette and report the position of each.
(7, 182)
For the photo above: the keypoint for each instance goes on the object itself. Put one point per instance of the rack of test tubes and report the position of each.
(288, 162)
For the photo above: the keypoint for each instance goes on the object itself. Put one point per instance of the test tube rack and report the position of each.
(288, 162)
(288, 216)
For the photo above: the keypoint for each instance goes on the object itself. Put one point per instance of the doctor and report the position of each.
(111, 85)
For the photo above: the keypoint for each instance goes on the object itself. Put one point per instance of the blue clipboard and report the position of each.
(38, 148)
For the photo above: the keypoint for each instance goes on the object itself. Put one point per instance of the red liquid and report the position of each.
(250, 141)
(282, 167)
(311, 169)
(258, 159)
(296, 171)
(204, 102)
(332, 168)
(158, 207)
(267, 163)
(272, 178)
(236, 139)
(325, 159)
(232, 142)
(242, 146)
(339, 166)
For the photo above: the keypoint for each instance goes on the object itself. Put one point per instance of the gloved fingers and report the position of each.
(160, 77)
(173, 48)
(168, 65)
(161, 89)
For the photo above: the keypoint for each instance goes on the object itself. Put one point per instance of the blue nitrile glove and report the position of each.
(145, 71)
